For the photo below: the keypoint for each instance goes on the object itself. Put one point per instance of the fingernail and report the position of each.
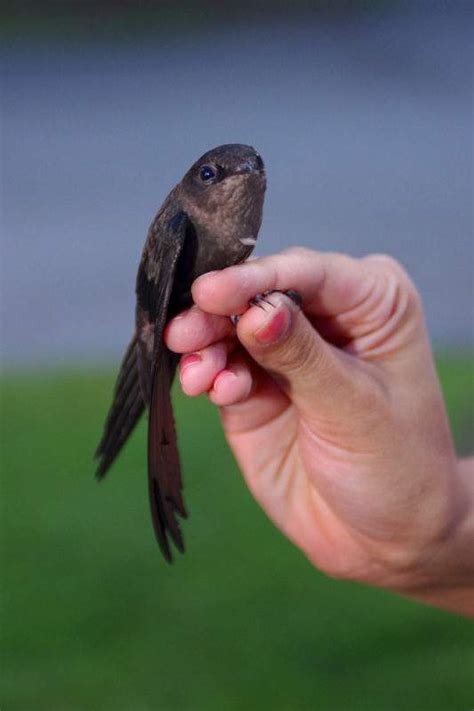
(274, 327)
(190, 359)
(224, 375)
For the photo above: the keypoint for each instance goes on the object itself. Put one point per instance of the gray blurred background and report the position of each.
(362, 113)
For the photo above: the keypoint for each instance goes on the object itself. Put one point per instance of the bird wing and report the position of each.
(127, 407)
(155, 283)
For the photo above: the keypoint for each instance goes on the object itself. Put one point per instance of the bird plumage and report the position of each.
(210, 220)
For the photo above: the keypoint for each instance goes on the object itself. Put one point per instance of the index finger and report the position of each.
(329, 284)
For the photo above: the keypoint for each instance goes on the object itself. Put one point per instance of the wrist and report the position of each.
(445, 575)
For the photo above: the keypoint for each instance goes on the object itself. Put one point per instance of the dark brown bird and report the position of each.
(210, 220)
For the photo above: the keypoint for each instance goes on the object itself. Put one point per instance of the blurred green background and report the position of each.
(94, 619)
(363, 114)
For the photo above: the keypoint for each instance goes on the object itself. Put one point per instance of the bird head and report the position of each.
(223, 192)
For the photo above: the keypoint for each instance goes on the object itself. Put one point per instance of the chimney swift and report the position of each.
(209, 221)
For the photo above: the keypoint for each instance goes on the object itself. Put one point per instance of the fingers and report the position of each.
(367, 306)
(232, 385)
(329, 284)
(279, 337)
(211, 365)
(198, 370)
(219, 371)
(194, 329)
(360, 303)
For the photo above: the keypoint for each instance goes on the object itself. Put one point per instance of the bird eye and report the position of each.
(207, 173)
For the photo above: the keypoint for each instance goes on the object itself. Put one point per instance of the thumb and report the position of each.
(314, 374)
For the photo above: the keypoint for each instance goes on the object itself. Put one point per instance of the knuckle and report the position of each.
(396, 274)
(386, 261)
(389, 265)
(297, 252)
(413, 300)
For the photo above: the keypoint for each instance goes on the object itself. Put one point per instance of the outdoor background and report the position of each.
(363, 114)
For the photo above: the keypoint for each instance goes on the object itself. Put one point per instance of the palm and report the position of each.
(290, 478)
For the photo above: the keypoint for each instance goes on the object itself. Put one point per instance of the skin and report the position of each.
(336, 418)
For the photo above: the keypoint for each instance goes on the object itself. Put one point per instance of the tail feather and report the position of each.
(164, 476)
(126, 409)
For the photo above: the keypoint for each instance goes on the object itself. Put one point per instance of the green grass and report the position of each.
(92, 618)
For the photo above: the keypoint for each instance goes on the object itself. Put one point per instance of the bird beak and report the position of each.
(251, 165)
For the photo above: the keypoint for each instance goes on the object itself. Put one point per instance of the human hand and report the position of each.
(334, 414)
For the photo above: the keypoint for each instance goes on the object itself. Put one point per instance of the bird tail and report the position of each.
(127, 406)
(164, 472)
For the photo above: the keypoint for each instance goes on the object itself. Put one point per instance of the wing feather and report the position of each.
(164, 471)
(145, 378)
(127, 407)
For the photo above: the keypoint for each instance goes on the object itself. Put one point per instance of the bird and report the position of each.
(210, 220)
